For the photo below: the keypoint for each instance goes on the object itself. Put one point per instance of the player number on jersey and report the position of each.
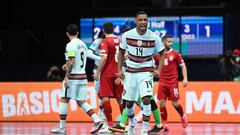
(116, 54)
(82, 59)
(149, 83)
(139, 51)
(175, 91)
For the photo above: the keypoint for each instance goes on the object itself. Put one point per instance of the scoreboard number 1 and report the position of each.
(207, 28)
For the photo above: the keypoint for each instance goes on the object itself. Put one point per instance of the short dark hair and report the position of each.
(108, 27)
(166, 36)
(72, 29)
(101, 34)
(140, 13)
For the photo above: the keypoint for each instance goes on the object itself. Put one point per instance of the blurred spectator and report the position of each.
(226, 62)
(54, 74)
(236, 65)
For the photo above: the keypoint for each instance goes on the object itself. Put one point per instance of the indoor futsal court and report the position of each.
(43, 128)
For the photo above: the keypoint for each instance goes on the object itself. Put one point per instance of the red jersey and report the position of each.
(109, 47)
(169, 73)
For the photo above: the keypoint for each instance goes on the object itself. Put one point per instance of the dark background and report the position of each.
(32, 33)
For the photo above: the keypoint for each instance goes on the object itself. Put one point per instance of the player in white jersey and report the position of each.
(140, 43)
(75, 81)
(94, 54)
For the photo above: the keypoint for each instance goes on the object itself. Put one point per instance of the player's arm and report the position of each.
(121, 58)
(92, 55)
(184, 74)
(102, 63)
(69, 66)
(103, 59)
(160, 64)
(160, 49)
(69, 63)
(92, 49)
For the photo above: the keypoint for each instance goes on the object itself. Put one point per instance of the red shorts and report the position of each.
(168, 91)
(109, 89)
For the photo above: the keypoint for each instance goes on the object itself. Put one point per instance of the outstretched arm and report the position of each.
(102, 63)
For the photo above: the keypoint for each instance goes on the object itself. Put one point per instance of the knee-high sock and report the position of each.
(124, 117)
(179, 110)
(130, 114)
(88, 109)
(63, 110)
(163, 113)
(108, 112)
(146, 116)
(155, 111)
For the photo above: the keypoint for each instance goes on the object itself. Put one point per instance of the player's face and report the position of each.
(141, 23)
(168, 43)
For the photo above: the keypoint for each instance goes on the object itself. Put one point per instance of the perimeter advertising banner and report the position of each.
(202, 102)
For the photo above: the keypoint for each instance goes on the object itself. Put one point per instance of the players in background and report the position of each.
(94, 54)
(75, 81)
(168, 82)
(107, 71)
(121, 127)
(140, 43)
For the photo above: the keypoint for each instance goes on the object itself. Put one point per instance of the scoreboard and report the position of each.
(192, 35)
(201, 35)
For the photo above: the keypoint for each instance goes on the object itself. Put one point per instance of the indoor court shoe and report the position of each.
(117, 128)
(184, 121)
(144, 132)
(131, 130)
(58, 131)
(104, 130)
(96, 127)
(156, 129)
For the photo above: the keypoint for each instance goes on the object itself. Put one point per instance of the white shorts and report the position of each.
(137, 85)
(75, 91)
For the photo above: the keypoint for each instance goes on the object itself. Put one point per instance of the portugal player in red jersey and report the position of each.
(168, 82)
(107, 71)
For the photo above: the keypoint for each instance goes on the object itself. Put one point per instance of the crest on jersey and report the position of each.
(171, 58)
(139, 42)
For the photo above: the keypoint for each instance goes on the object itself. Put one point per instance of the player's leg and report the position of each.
(130, 114)
(81, 98)
(121, 127)
(63, 110)
(156, 114)
(97, 88)
(106, 91)
(174, 97)
(162, 96)
(117, 91)
(145, 81)
(130, 95)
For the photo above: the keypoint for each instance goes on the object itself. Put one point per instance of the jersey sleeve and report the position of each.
(70, 51)
(123, 43)
(95, 45)
(159, 45)
(179, 59)
(104, 48)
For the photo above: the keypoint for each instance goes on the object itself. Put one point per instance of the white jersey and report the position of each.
(95, 47)
(77, 49)
(140, 50)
